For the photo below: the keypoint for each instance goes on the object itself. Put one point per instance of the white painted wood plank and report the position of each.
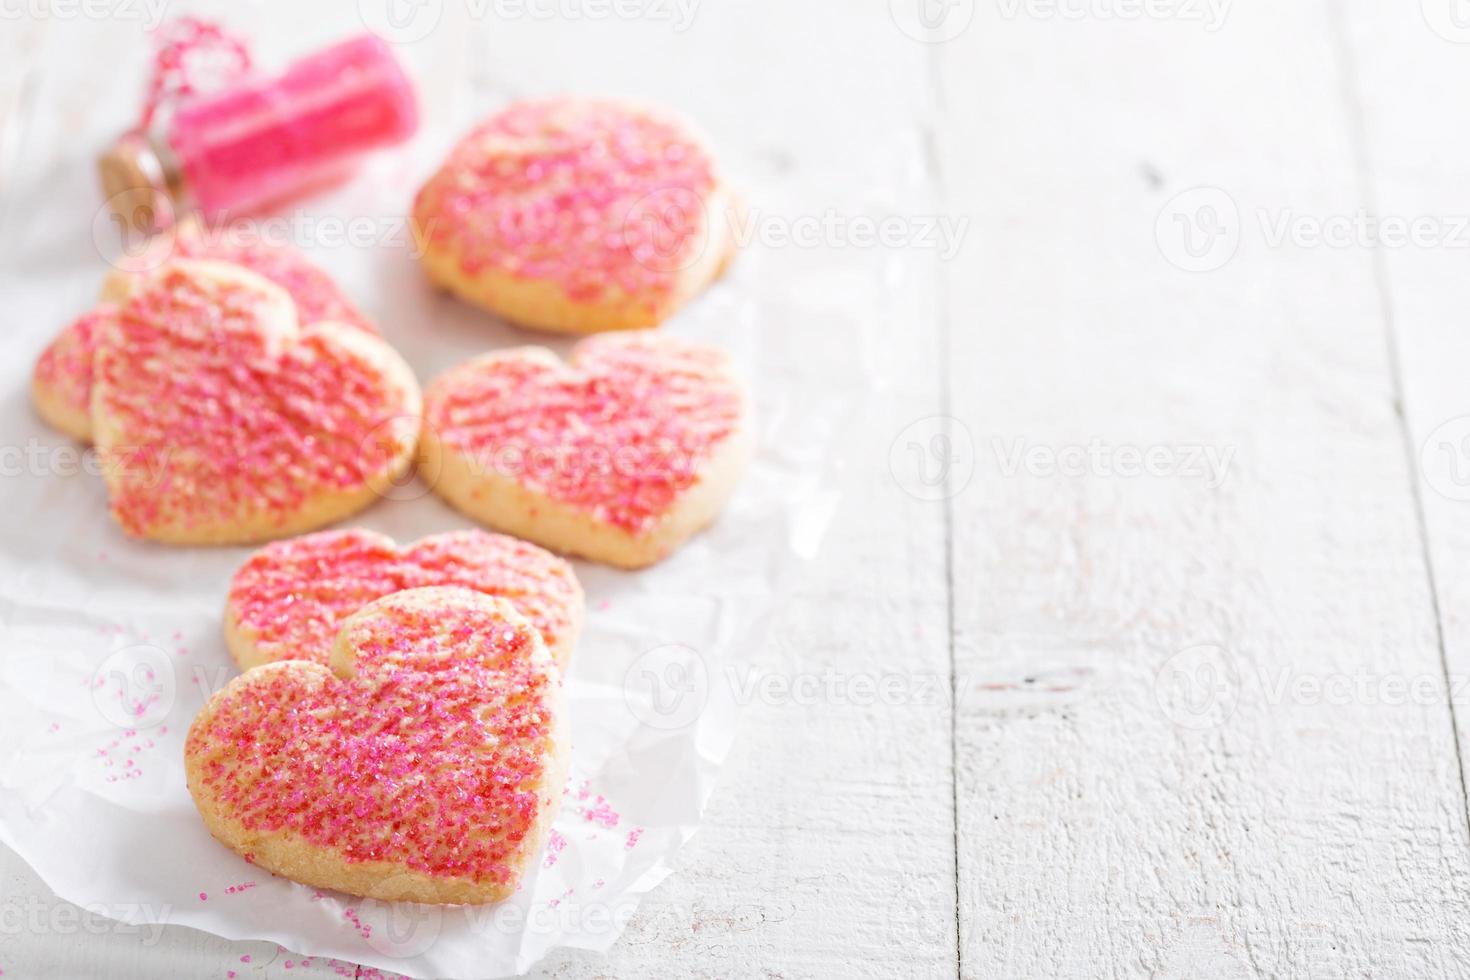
(1284, 800)
(19, 69)
(1409, 61)
(827, 849)
(44, 937)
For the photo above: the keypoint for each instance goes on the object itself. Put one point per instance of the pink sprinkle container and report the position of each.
(262, 140)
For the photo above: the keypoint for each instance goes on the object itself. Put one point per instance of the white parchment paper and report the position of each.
(111, 645)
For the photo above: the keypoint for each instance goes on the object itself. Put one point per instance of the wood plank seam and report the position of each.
(1351, 85)
(934, 163)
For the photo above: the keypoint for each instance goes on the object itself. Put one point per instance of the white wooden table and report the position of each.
(1159, 513)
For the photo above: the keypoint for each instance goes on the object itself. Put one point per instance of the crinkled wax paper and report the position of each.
(111, 645)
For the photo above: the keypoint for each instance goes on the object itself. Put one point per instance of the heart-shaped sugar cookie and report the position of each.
(316, 295)
(288, 601)
(425, 764)
(61, 384)
(577, 215)
(221, 420)
(619, 455)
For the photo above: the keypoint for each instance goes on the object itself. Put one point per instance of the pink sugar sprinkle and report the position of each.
(620, 432)
(203, 897)
(601, 813)
(66, 365)
(555, 843)
(245, 958)
(331, 760)
(633, 836)
(269, 398)
(607, 202)
(293, 595)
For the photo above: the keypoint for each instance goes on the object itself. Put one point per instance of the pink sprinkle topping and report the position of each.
(620, 431)
(601, 813)
(219, 407)
(292, 596)
(316, 294)
(633, 836)
(65, 366)
(602, 199)
(203, 897)
(427, 751)
(555, 844)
